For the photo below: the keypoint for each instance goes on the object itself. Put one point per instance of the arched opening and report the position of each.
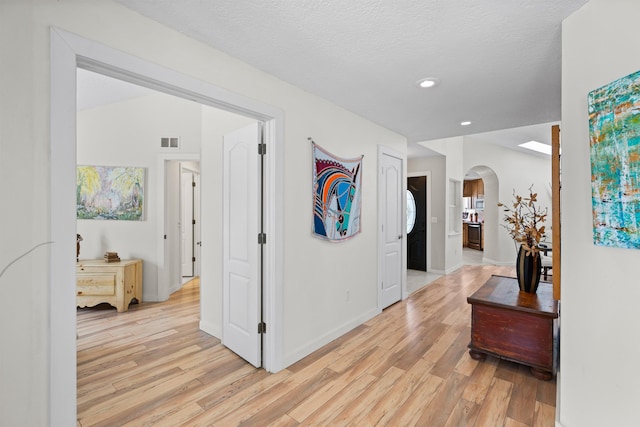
(483, 205)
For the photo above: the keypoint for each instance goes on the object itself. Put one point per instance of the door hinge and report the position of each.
(262, 148)
(262, 239)
(193, 183)
(262, 328)
(193, 222)
(193, 259)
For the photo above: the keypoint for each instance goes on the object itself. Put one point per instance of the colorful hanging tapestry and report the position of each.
(614, 132)
(337, 189)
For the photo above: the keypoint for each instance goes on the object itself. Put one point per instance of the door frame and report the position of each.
(69, 51)
(426, 174)
(165, 287)
(382, 150)
(193, 195)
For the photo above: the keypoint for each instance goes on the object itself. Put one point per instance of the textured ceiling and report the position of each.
(498, 61)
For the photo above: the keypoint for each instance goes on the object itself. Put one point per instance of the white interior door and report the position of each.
(186, 222)
(391, 210)
(241, 270)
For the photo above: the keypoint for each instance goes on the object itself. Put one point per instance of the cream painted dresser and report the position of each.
(116, 283)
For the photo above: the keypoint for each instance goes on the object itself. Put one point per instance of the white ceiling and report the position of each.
(498, 61)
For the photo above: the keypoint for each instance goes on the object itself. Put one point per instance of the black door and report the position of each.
(417, 237)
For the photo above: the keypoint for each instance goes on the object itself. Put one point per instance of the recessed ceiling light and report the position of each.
(428, 82)
(536, 146)
(467, 123)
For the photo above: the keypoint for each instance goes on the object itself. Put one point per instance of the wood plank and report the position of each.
(407, 366)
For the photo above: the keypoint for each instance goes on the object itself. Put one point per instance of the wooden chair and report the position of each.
(547, 264)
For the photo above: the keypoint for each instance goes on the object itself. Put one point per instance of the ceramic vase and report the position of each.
(528, 270)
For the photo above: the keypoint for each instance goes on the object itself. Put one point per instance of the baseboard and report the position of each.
(499, 263)
(210, 329)
(305, 350)
(452, 269)
(175, 288)
(151, 298)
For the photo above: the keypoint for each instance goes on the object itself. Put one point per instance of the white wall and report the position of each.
(316, 273)
(459, 155)
(514, 171)
(599, 335)
(128, 133)
(452, 150)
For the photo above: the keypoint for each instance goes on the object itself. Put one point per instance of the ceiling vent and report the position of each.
(169, 142)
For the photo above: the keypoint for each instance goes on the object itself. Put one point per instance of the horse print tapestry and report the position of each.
(337, 189)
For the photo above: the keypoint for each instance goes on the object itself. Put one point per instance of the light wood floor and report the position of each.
(408, 366)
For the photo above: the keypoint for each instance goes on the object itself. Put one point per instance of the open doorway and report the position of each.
(480, 216)
(419, 272)
(67, 52)
(417, 223)
(189, 220)
(129, 131)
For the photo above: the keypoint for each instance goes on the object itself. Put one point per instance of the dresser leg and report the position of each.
(476, 355)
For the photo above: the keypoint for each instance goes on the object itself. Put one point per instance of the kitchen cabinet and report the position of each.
(467, 191)
(473, 188)
(465, 235)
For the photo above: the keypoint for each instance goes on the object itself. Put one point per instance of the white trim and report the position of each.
(273, 295)
(62, 311)
(67, 52)
(326, 338)
(494, 262)
(210, 328)
(382, 150)
(426, 174)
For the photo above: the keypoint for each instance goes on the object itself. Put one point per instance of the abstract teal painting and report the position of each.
(106, 192)
(614, 132)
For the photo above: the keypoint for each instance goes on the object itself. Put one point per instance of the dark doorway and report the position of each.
(417, 236)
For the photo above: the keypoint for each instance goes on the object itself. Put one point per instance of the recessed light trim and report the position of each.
(428, 82)
(537, 146)
(465, 123)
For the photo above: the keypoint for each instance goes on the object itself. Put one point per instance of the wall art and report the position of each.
(107, 192)
(614, 132)
(337, 189)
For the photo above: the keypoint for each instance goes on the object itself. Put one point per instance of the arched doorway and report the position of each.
(486, 207)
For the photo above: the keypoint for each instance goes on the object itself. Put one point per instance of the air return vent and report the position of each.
(170, 142)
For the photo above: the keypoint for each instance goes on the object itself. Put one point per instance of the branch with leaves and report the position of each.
(524, 221)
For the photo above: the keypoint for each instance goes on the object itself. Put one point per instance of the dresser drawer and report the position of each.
(96, 284)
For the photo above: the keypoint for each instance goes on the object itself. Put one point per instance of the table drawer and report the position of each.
(96, 284)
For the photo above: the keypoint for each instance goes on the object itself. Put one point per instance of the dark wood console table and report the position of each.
(514, 325)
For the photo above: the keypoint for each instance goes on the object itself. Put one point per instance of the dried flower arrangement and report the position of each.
(524, 221)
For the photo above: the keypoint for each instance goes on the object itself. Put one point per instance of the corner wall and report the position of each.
(598, 384)
(315, 274)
